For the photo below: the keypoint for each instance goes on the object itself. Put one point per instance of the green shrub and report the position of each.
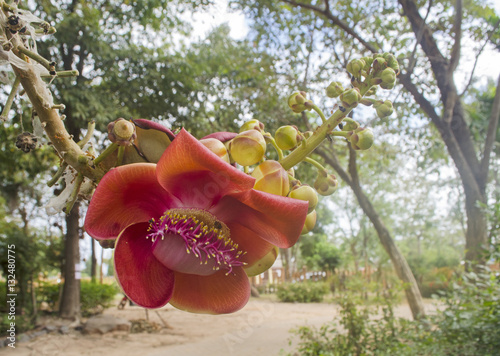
(305, 292)
(49, 293)
(94, 294)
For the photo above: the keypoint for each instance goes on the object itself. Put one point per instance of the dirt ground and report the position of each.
(261, 328)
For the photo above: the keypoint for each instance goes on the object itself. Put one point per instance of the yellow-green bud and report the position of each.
(248, 147)
(309, 223)
(350, 98)
(263, 264)
(371, 91)
(298, 102)
(307, 134)
(350, 125)
(388, 77)
(326, 184)
(362, 138)
(271, 177)
(306, 193)
(252, 125)
(121, 132)
(392, 62)
(368, 62)
(334, 89)
(379, 64)
(384, 109)
(355, 67)
(287, 137)
(216, 147)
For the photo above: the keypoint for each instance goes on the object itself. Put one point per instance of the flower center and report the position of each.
(207, 238)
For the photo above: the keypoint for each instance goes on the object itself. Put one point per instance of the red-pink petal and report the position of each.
(195, 175)
(141, 276)
(151, 125)
(215, 294)
(278, 220)
(249, 242)
(222, 136)
(126, 195)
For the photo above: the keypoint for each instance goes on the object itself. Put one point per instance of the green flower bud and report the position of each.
(384, 109)
(350, 98)
(307, 134)
(372, 91)
(248, 147)
(298, 102)
(306, 193)
(355, 67)
(350, 125)
(392, 62)
(287, 137)
(252, 125)
(388, 77)
(326, 184)
(334, 89)
(368, 63)
(362, 138)
(309, 223)
(263, 264)
(271, 177)
(122, 132)
(216, 147)
(379, 64)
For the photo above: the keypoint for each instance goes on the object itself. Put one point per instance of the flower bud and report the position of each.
(388, 77)
(263, 264)
(350, 125)
(372, 91)
(326, 184)
(350, 98)
(306, 193)
(216, 147)
(379, 64)
(355, 67)
(298, 102)
(362, 138)
(309, 223)
(287, 137)
(334, 89)
(271, 177)
(384, 109)
(121, 132)
(252, 125)
(248, 147)
(368, 62)
(392, 62)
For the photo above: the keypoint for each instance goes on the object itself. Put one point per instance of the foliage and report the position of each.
(318, 253)
(94, 294)
(304, 292)
(468, 324)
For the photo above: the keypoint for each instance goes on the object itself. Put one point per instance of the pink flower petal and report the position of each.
(278, 220)
(141, 276)
(215, 294)
(195, 175)
(222, 136)
(126, 195)
(249, 242)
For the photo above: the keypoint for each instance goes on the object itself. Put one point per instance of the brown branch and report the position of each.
(491, 134)
(412, 59)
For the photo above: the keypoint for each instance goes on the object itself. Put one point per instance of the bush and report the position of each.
(305, 292)
(94, 294)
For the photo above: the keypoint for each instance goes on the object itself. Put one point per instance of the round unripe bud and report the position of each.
(362, 138)
(252, 125)
(388, 77)
(287, 137)
(350, 125)
(306, 193)
(263, 264)
(309, 223)
(368, 62)
(334, 89)
(384, 109)
(121, 132)
(350, 98)
(298, 102)
(271, 177)
(355, 67)
(216, 147)
(248, 147)
(392, 62)
(326, 184)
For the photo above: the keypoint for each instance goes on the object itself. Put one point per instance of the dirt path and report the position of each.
(261, 328)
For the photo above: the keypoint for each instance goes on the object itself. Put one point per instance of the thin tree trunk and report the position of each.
(93, 262)
(70, 299)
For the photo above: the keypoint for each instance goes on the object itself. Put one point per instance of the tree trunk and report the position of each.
(287, 263)
(70, 299)
(93, 262)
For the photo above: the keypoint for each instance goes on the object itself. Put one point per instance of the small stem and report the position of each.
(58, 174)
(36, 57)
(245, 169)
(63, 74)
(10, 99)
(88, 135)
(273, 142)
(119, 159)
(7, 7)
(315, 164)
(74, 194)
(320, 113)
(110, 149)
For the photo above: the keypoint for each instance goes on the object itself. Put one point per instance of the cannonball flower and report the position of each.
(189, 227)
